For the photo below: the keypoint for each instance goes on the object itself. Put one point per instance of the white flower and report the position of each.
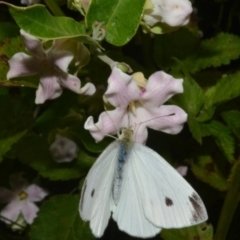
(52, 67)
(63, 149)
(148, 110)
(174, 13)
(20, 200)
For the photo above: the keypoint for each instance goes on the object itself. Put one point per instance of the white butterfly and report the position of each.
(143, 192)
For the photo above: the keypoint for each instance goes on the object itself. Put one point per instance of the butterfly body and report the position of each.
(143, 192)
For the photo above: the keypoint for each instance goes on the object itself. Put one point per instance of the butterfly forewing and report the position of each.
(97, 189)
(168, 199)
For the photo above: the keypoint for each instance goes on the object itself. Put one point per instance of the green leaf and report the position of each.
(226, 89)
(37, 21)
(7, 49)
(8, 30)
(232, 118)
(195, 55)
(205, 169)
(223, 138)
(58, 219)
(121, 18)
(33, 150)
(201, 231)
(16, 119)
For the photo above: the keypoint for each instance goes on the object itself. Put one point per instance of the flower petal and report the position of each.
(22, 65)
(29, 211)
(182, 170)
(122, 89)
(35, 193)
(6, 195)
(61, 59)
(33, 45)
(160, 87)
(48, 88)
(109, 123)
(168, 119)
(88, 89)
(69, 81)
(11, 211)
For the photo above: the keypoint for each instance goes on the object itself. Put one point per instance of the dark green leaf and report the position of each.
(201, 231)
(8, 30)
(226, 89)
(120, 18)
(16, 119)
(59, 219)
(232, 118)
(205, 169)
(33, 150)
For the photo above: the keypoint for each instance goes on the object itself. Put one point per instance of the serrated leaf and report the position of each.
(192, 98)
(183, 45)
(200, 232)
(120, 18)
(59, 219)
(226, 89)
(205, 169)
(232, 118)
(223, 138)
(7, 49)
(33, 150)
(16, 119)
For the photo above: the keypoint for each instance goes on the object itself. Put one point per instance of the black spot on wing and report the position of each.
(168, 201)
(199, 214)
(83, 193)
(92, 193)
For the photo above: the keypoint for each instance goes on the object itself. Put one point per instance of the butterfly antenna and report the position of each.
(105, 134)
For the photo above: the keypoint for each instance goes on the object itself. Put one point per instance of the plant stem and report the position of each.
(230, 204)
(55, 9)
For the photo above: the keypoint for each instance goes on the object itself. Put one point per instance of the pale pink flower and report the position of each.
(20, 200)
(29, 2)
(148, 110)
(182, 170)
(63, 149)
(174, 13)
(52, 67)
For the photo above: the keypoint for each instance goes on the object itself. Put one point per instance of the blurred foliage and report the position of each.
(205, 54)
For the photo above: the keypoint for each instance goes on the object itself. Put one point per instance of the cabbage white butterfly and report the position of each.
(143, 192)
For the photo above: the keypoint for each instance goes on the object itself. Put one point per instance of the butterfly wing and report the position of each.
(97, 189)
(129, 212)
(168, 199)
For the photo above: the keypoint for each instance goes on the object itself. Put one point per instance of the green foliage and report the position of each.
(232, 118)
(8, 30)
(205, 169)
(120, 18)
(201, 231)
(14, 123)
(39, 158)
(60, 219)
(195, 54)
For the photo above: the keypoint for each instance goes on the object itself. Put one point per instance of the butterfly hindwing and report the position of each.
(129, 213)
(168, 199)
(97, 189)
